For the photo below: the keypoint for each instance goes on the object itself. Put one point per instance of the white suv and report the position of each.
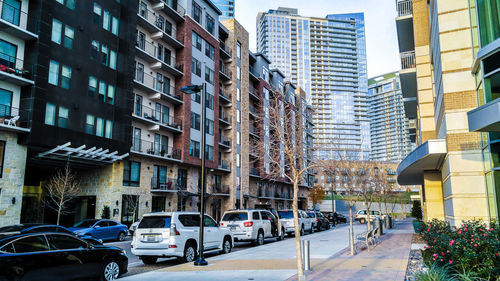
(286, 218)
(362, 216)
(175, 234)
(252, 225)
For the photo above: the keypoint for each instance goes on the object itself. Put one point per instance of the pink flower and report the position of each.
(465, 229)
(442, 253)
(460, 232)
(433, 259)
(441, 259)
(434, 255)
(450, 262)
(447, 251)
(496, 254)
(484, 234)
(475, 245)
(451, 242)
(472, 235)
(491, 229)
(428, 230)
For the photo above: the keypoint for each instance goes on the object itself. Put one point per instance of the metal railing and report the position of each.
(158, 21)
(157, 116)
(225, 94)
(224, 117)
(405, 7)
(268, 193)
(254, 171)
(170, 184)
(152, 82)
(221, 189)
(15, 66)
(224, 140)
(155, 148)
(175, 6)
(152, 50)
(224, 48)
(253, 110)
(223, 69)
(407, 60)
(253, 130)
(253, 72)
(14, 117)
(254, 92)
(18, 17)
(224, 164)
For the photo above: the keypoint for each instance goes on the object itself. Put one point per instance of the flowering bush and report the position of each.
(473, 246)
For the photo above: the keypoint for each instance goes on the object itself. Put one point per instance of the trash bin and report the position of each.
(378, 223)
(390, 222)
(386, 222)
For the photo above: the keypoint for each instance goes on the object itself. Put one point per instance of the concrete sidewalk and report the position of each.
(387, 261)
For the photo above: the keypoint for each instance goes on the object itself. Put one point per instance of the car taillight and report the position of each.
(172, 246)
(173, 230)
(317, 220)
(248, 224)
(356, 216)
(221, 224)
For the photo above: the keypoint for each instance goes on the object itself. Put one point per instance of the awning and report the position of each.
(485, 118)
(428, 156)
(80, 155)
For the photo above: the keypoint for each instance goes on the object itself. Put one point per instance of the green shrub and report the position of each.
(434, 273)
(106, 212)
(416, 210)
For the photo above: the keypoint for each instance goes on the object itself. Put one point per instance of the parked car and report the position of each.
(252, 225)
(58, 256)
(102, 229)
(362, 216)
(175, 234)
(40, 228)
(286, 218)
(340, 218)
(320, 222)
(133, 227)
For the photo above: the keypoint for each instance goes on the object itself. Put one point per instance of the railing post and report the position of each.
(306, 254)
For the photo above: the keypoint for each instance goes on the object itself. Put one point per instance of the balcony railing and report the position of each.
(14, 117)
(18, 17)
(405, 7)
(224, 117)
(221, 189)
(155, 149)
(268, 193)
(224, 48)
(175, 6)
(170, 184)
(254, 93)
(254, 171)
(224, 140)
(253, 130)
(157, 116)
(408, 60)
(155, 84)
(254, 72)
(224, 164)
(225, 94)
(158, 21)
(15, 66)
(253, 110)
(153, 51)
(224, 70)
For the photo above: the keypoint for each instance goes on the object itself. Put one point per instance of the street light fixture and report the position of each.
(192, 90)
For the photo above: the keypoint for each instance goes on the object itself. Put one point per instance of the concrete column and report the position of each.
(433, 188)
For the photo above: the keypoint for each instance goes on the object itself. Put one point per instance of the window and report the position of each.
(209, 101)
(56, 31)
(90, 124)
(196, 12)
(5, 103)
(11, 11)
(114, 26)
(109, 22)
(209, 152)
(196, 67)
(54, 75)
(109, 129)
(209, 51)
(159, 176)
(8, 54)
(209, 75)
(53, 72)
(69, 34)
(31, 244)
(64, 242)
(68, 3)
(195, 121)
(99, 131)
(190, 220)
(209, 127)
(197, 40)
(106, 21)
(255, 216)
(209, 222)
(65, 77)
(210, 24)
(131, 173)
(110, 98)
(196, 97)
(194, 148)
(62, 118)
(112, 59)
(50, 114)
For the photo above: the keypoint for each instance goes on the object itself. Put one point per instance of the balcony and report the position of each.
(170, 185)
(253, 111)
(254, 172)
(13, 21)
(225, 96)
(226, 74)
(159, 28)
(225, 52)
(221, 190)
(253, 74)
(158, 60)
(253, 153)
(224, 165)
(156, 119)
(225, 142)
(254, 94)
(14, 119)
(408, 60)
(253, 132)
(15, 71)
(171, 8)
(155, 149)
(266, 193)
(405, 8)
(225, 119)
(156, 89)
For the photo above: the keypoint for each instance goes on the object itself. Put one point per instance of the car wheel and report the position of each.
(260, 238)
(312, 229)
(149, 260)
(302, 232)
(111, 271)
(282, 236)
(328, 226)
(362, 221)
(189, 253)
(121, 236)
(226, 246)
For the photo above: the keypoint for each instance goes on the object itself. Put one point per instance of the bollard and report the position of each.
(386, 222)
(306, 254)
(378, 223)
(390, 222)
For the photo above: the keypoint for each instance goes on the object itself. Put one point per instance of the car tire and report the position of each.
(328, 226)
(121, 236)
(110, 271)
(302, 231)
(282, 236)
(226, 246)
(189, 252)
(312, 229)
(362, 221)
(148, 260)
(260, 238)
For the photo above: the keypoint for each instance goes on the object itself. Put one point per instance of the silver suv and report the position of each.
(252, 225)
(362, 216)
(175, 234)
(305, 223)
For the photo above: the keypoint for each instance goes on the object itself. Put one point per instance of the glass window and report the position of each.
(56, 31)
(195, 121)
(190, 220)
(112, 59)
(131, 173)
(210, 24)
(65, 77)
(102, 89)
(8, 53)
(196, 40)
(156, 222)
(209, 222)
(209, 102)
(69, 34)
(53, 72)
(489, 21)
(5, 103)
(196, 97)
(255, 216)
(31, 244)
(50, 114)
(71, 4)
(99, 131)
(62, 120)
(209, 51)
(209, 127)
(104, 54)
(209, 75)
(114, 27)
(194, 148)
(94, 50)
(196, 67)
(106, 20)
(11, 10)
(196, 12)
(64, 242)
(90, 124)
(97, 9)
(111, 94)
(109, 129)
(209, 152)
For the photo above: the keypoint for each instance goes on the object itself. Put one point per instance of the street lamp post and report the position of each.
(194, 89)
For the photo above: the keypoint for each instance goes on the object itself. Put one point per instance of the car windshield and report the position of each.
(85, 223)
(285, 214)
(311, 215)
(155, 222)
(237, 216)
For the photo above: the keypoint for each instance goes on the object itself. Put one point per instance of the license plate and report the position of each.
(149, 238)
(232, 228)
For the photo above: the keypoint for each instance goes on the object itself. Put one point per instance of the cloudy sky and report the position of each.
(381, 38)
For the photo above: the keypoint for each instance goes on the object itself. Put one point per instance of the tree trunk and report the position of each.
(351, 231)
(333, 203)
(369, 220)
(298, 250)
(58, 214)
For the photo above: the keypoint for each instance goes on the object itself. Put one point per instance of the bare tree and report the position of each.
(281, 150)
(61, 188)
(134, 199)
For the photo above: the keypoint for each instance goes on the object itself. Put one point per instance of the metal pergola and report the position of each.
(92, 156)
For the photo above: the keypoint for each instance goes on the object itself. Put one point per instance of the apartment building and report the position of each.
(389, 127)
(327, 58)
(448, 160)
(226, 7)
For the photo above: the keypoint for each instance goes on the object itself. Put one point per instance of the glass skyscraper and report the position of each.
(327, 58)
(226, 7)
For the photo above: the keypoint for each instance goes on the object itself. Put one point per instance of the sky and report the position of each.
(380, 25)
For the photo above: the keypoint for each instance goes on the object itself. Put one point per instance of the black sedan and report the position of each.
(40, 228)
(323, 222)
(58, 256)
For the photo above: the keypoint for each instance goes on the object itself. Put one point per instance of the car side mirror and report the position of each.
(97, 226)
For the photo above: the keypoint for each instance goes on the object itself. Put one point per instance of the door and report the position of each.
(164, 147)
(211, 233)
(101, 230)
(266, 224)
(157, 115)
(5, 104)
(31, 261)
(138, 105)
(159, 82)
(157, 144)
(113, 229)
(158, 204)
(165, 111)
(139, 75)
(137, 139)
